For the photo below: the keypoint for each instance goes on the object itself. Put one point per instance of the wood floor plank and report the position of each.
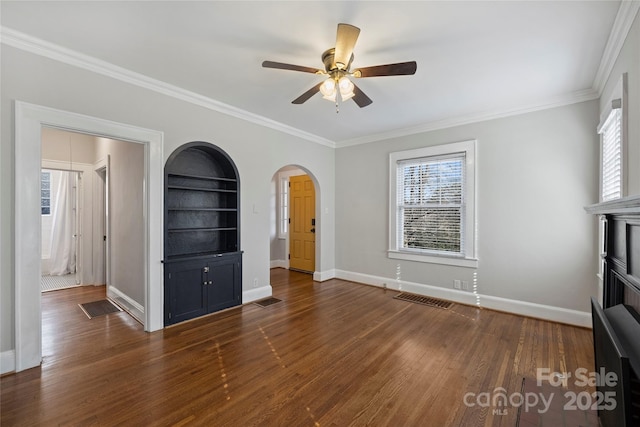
(334, 353)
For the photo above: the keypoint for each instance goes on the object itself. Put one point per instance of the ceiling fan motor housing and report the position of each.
(328, 59)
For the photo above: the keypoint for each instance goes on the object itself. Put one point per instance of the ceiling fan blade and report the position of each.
(360, 98)
(308, 94)
(283, 66)
(399, 69)
(345, 42)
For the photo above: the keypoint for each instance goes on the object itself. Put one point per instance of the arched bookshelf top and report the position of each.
(202, 200)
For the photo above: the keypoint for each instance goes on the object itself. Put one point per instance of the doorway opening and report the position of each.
(294, 220)
(30, 120)
(86, 235)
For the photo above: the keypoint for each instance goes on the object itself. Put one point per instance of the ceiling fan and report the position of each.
(337, 62)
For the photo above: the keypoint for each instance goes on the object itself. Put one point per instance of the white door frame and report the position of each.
(105, 241)
(29, 120)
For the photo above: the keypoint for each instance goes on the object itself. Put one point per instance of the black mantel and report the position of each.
(616, 207)
(616, 325)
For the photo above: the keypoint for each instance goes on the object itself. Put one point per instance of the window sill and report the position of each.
(434, 259)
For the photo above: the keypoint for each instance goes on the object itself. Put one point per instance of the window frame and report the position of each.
(467, 257)
(617, 101)
(283, 206)
(42, 173)
(611, 146)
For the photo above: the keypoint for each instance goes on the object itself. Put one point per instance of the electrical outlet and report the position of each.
(255, 282)
(465, 285)
(456, 284)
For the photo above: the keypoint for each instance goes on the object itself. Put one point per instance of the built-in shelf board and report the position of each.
(204, 209)
(216, 190)
(211, 178)
(183, 230)
(197, 255)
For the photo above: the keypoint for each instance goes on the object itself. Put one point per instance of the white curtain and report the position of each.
(63, 241)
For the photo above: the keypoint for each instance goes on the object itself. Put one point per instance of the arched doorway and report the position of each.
(294, 220)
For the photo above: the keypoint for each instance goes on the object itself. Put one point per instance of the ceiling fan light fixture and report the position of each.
(331, 97)
(328, 87)
(346, 87)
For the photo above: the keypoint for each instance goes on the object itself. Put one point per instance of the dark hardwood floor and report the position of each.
(330, 354)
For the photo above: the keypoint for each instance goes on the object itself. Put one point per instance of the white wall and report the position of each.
(628, 61)
(257, 151)
(68, 147)
(535, 173)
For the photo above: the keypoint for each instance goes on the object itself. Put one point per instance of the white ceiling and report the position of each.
(475, 59)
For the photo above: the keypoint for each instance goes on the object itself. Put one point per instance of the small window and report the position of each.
(432, 204)
(611, 163)
(612, 130)
(284, 207)
(45, 192)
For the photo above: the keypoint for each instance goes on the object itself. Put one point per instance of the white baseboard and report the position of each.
(256, 294)
(7, 361)
(318, 276)
(321, 276)
(279, 263)
(523, 308)
(131, 306)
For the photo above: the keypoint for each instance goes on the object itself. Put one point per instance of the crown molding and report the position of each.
(25, 42)
(58, 53)
(621, 26)
(573, 98)
(624, 20)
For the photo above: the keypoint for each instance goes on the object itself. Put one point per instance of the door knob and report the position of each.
(313, 230)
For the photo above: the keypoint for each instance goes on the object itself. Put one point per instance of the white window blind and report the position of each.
(611, 166)
(431, 204)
